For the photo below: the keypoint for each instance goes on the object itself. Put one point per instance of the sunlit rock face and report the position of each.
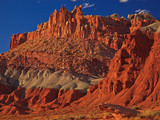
(77, 61)
(140, 20)
(74, 25)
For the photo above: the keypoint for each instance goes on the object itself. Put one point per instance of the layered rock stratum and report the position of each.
(75, 61)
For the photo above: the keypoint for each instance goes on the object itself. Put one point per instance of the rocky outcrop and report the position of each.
(155, 27)
(17, 39)
(142, 16)
(70, 41)
(115, 16)
(74, 25)
(140, 20)
(68, 97)
(118, 111)
(74, 55)
(128, 62)
(74, 42)
(133, 77)
(34, 100)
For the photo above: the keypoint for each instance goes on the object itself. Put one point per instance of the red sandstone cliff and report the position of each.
(133, 76)
(34, 100)
(77, 43)
(18, 39)
(74, 25)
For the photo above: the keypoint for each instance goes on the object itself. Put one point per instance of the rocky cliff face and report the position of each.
(35, 100)
(56, 64)
(140, 20)
(128, 62)
(74, 25)
(136, 72)
(18, 39)
(133, 76)
(86, 41)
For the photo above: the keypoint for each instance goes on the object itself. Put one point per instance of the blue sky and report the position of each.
(18, 16)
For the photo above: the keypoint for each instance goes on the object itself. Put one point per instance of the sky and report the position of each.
(19, 16)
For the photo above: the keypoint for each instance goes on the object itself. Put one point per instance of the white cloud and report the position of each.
(73, 0)
(123, 0)
(142, 11)
(87, 5)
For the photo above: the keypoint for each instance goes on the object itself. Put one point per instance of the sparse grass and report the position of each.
(150, 114)
(146, 115)
(71, 117)
(94, 115)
